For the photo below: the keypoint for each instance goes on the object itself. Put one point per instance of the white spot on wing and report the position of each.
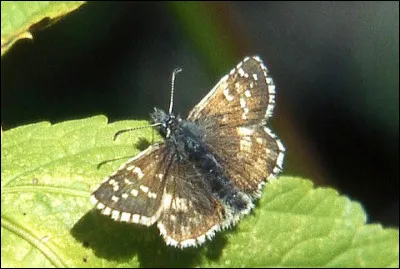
(271, 134)
(245, 144)
(144, 189)
(134, 192)
(271, 89)
(227, 95)
(188, 243)
(237, 85)
(115, 215)
(152, 195)
(259, 140)
(276, 171)
(280, 145)
(145, 221)
(107, 211)
(93, 199)
(139, 172)
(181, 204)
(100, 206)
(279, 161)
(170, 241)
(125, 216)
(127, 181)
(201, 239)
(243, 105)
(166, 200)
(210, 233)
(241, 72)
(281, 155)
(271, 99)
(135, 218)
(130, 167)
(269, 112)
(245, 131)
(242, 102)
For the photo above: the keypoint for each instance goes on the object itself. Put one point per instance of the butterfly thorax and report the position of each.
(185, 140)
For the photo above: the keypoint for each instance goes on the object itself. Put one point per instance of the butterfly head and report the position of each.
(166, 123)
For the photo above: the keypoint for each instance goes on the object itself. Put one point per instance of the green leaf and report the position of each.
(18, 16)
(48, 172)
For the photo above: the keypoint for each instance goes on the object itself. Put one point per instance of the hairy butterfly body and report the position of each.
(210, 167)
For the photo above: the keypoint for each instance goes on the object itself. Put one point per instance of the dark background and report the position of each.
(335, 64)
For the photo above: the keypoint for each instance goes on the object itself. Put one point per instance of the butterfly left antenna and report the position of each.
(171, 102)
(136, 128)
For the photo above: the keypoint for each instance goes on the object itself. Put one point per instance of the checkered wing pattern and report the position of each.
(133, 193)
(234, 114)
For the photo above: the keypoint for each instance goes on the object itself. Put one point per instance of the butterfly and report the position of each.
(211, 166)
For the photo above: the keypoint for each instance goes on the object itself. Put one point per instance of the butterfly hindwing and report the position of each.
(250, 155)
(191, 213)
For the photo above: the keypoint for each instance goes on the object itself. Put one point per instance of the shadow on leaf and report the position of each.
(120, 241)
(142, 144)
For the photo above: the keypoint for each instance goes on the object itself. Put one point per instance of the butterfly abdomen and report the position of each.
(206, 163)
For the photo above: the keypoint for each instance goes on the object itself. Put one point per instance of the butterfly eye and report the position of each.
(171, 120)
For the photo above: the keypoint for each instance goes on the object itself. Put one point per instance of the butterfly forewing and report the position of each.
(245, 96)
(134, 192)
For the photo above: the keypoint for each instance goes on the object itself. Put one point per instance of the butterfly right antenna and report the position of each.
(171, 102)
